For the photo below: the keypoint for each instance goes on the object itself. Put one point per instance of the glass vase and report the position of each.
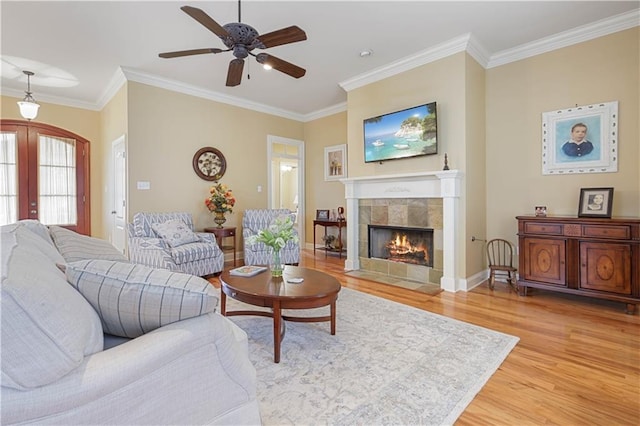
(276, 266)
(219, 218)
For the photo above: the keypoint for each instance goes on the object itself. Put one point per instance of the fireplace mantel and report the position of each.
(439, 184)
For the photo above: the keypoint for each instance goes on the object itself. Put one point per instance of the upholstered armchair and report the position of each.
(253, 221)
(168, 241)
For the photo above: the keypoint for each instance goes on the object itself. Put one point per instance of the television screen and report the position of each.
(408, 133)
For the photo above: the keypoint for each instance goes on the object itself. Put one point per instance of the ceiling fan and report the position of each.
(242, 39)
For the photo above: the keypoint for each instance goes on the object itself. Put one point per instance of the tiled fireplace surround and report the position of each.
(427, 199)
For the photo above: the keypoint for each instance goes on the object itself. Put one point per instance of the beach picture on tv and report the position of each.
(408, 133)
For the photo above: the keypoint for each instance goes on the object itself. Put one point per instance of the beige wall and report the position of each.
(473, 204)
(165, 129)
(442, 81)
(113, 120)
(318, 134)
(446, 82)
(488, 123)
(601, 70)
(82, 122)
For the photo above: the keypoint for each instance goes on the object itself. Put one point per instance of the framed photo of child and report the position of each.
(583, 139)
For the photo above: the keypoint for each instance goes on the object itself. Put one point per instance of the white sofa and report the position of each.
(59, 368)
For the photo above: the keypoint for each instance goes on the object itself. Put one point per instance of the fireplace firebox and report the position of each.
(401, 244)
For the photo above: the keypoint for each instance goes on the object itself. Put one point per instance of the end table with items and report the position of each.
(222, 233)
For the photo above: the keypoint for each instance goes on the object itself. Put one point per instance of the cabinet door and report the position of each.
(544, 260)
(605, 267)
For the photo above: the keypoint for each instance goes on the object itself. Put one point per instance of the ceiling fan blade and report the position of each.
(200, 16)
(189, 52)
(283, 36)
(280, 65)
(234, 75)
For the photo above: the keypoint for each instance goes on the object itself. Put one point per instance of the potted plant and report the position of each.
(278, 233)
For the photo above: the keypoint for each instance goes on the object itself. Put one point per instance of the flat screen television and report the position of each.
(412, 132)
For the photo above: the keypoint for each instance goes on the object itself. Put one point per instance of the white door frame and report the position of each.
(119, 200)
(271, 139)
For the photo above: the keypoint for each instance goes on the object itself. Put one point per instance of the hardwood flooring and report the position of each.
(577, 361)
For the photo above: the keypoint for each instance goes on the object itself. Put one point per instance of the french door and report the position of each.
(44, 175)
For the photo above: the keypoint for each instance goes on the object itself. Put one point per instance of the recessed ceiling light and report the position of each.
(365, 53)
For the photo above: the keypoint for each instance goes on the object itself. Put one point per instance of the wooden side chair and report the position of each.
(500, 257)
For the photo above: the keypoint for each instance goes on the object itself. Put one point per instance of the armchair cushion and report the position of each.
(75, 247)
(193, 252)
(132, 300)
(175, 232)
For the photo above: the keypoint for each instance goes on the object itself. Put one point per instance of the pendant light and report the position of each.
(28, 106)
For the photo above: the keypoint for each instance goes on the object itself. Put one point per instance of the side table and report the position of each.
(222, 233)
(330, 223)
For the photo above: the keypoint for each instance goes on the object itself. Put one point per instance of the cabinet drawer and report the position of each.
(599, 231)
(543, 228)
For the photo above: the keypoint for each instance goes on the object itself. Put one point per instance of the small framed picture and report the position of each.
(541, 211)
(322, 214)
(595, 202)
(335, 162)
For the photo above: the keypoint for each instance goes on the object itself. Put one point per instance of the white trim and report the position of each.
(188, 89)
(117, 81)
(442, 50)
(325, 112)
(439, 184)
(601, 28)
(464, 42)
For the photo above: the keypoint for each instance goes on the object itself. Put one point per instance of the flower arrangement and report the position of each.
(276, 236)
(220, 199)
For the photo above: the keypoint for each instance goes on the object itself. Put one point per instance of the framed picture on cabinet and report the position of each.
(583, 139)
(595, 202)
(335, 162)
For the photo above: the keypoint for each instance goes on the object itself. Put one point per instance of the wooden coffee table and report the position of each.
(318, 289)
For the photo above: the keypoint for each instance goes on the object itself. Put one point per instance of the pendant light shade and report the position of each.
(28, 106)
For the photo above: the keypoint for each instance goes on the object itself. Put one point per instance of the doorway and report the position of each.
(286, 177)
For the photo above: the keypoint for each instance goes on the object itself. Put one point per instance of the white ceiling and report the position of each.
(77, 47)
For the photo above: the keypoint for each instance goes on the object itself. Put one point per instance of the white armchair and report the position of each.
(200, 257)
(255, 220)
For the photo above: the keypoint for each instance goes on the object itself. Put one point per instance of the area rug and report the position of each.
(388, 364)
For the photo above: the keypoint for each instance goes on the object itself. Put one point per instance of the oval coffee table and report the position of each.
(318, 289)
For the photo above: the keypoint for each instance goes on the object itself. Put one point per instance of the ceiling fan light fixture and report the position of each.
(28, 106)
(267, 67)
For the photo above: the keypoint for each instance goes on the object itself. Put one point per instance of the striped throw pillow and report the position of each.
(74, 247)
(134, 299)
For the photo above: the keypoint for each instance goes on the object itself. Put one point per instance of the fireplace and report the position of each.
(401, 244)
(365, 195)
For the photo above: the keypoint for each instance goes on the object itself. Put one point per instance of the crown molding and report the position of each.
(601, 28)
(117, 81)
(188, 89)
(57, 100)
(466, 42)
(442, 50)
(325, 112)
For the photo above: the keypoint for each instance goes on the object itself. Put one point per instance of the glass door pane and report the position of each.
(8, 177)
(57, 192)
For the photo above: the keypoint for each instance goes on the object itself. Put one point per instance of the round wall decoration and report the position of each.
(209, 163)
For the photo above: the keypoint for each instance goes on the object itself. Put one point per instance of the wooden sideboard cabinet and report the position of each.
(592, 257)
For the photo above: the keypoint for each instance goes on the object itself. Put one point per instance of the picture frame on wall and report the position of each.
(335, 162)
(583, 139)
(595, 202)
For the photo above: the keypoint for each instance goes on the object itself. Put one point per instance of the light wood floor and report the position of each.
(577, 361)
